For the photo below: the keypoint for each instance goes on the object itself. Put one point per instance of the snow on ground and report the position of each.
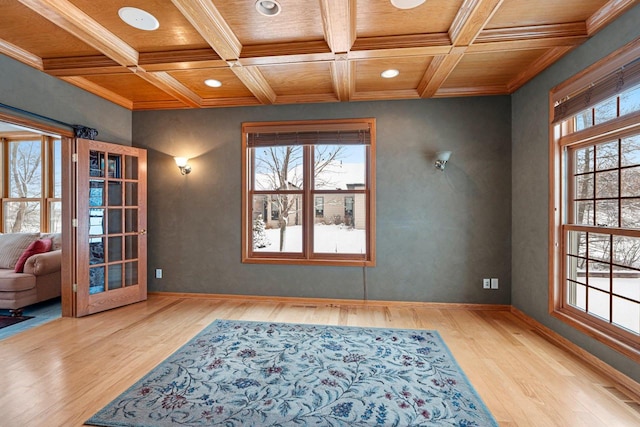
(327, 239)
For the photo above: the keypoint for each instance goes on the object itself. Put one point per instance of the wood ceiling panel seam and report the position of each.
(73, 20)
(21, 55)
(210, 24)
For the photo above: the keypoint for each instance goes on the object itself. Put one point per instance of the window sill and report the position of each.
(618, 343)
(323, 262)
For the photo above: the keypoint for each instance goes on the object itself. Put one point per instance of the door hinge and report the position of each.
(75, 288)
(74, 222)
(74, 157)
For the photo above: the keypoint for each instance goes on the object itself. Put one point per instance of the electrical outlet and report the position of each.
(486, 284)
(158, 273)
(494, 283)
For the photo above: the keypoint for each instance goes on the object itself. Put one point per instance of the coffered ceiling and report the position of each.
(312, 51)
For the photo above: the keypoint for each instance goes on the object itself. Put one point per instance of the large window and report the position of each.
(31, 184)
(308, 192)
(595, 214)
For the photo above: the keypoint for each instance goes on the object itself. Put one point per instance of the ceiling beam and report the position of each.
(166, 83)
(181, 60)
(342, 78)
(89, 86)
(71, 19)
(607, 13)
(20, 54)
(509, 46)
(284, 53)
(82, 66)
(472, 17)
(537, 67)
(471, 91)
(305, 98)
(438, 71)
(386, 95)
(206, 19)
(339, 22)
(573, 29)
(253, 79)
(158, 105)
(401, 42)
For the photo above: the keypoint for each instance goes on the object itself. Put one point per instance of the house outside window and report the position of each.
(595, 209)
(317, 175)
(319, 207)
(32, 195)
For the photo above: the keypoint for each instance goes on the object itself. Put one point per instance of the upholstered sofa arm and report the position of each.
(45, 263)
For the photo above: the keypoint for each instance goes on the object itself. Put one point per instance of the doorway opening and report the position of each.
(32, 180)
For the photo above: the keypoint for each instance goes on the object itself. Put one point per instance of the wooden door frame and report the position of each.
(67, 139)
(68, 230)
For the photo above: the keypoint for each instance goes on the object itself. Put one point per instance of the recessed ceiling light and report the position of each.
(139, 18)
(268, 7)
(407, 4)
(213, 83)
(389, 74)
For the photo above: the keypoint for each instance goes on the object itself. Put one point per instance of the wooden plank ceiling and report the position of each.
(312, 51)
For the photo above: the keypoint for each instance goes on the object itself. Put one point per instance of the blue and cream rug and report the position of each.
(237, 373)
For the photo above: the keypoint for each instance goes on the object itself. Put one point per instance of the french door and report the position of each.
(110, 226)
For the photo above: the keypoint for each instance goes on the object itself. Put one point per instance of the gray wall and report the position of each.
(530, 185)
(438, 233)
(28, 89)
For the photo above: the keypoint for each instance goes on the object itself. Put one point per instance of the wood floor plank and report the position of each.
(61, 373)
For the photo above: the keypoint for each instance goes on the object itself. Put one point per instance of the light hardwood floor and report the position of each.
(61, 373)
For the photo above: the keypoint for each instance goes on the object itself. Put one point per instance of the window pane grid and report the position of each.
(33, 178)
(595, 213)
(308, 202)
(602, 277)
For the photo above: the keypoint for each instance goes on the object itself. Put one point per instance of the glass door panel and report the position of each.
(111, 214)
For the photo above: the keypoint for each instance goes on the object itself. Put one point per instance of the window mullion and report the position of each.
(44, 182)
(307, 206)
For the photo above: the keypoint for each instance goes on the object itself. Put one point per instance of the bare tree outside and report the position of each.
(281, 168)
(25, 170)
(600, 182)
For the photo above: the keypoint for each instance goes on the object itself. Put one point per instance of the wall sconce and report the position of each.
(183, 165)
(442, 157)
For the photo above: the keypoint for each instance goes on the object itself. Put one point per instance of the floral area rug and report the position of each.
(237, 373)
